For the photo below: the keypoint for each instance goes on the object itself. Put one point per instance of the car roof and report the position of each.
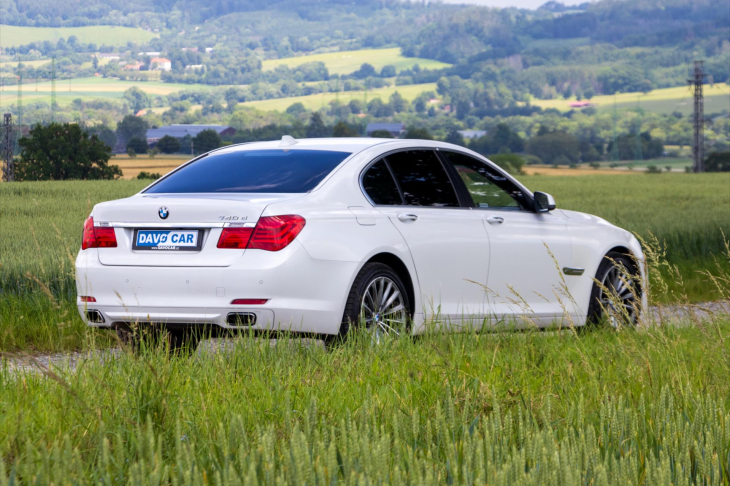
(352, 145)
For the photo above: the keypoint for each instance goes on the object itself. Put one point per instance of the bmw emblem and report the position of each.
(163, 212)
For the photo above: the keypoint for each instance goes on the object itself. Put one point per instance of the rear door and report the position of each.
(528, 249)
(448, 242)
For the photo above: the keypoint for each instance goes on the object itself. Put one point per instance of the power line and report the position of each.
(53, 89)
(698, 149)
(8, 146)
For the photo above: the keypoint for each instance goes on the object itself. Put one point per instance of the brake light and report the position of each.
(249, 301)
(272, 233)
(234, 237)
(87, 298)
(97, 237)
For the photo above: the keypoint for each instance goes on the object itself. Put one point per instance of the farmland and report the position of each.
(667, 100)
(98, 34)
(91, 88)
(317, 101)
(346, 62)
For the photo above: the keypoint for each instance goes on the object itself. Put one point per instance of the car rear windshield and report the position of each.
(267, 171)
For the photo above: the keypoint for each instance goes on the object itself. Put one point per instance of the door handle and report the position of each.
(407, 217)
(495, 220)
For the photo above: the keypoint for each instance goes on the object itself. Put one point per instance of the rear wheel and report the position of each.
(378, 301)
(615, 297)
(179, 341)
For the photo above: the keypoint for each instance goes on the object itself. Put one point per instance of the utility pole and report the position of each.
(8, 148)
(638, 155)
(698, 147)
(53, 89)
(614, 149)
(19, 104)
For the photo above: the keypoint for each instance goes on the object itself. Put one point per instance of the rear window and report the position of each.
(265, 171)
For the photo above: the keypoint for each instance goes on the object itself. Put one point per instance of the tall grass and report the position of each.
(647, 406)
(41, 222)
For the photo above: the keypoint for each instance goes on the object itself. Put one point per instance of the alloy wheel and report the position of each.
(383, 309)
(618, 295)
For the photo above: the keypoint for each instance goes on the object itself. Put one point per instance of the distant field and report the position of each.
(316, 101)
(93, 88)
(33, 64)
(667, 100)
(161, 164)
(346, 62)
(98, 34)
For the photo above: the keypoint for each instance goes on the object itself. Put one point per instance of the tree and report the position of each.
(418, 133)
(168, 144)
(365, 71)
(511, 163)
(718, 162)
(388, 71)
(296, 109)
(316, 127)
(206, 141)
(381, 134)
(398, 102)
(64, 151)
(555, 148)
(356, 107)
(137, 99)
(342, 129)
(132, 127)
(455, 137)
(107, 136)
(138, 145)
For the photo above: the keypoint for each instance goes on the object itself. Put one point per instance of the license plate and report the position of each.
(167, 240)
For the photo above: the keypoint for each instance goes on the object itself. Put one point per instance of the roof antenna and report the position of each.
(287, 141)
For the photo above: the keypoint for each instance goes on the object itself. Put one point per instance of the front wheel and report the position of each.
(615, 297)
(378, 301)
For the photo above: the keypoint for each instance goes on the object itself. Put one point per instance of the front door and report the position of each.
(448, 242)
(528, 249)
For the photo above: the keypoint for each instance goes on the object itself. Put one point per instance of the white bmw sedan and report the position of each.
(320, 236)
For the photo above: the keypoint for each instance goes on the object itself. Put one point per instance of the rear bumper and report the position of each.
(303, 294)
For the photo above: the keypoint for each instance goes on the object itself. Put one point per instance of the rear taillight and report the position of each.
(97, 237)
(87, 298)
(272, 233)
(235, 237)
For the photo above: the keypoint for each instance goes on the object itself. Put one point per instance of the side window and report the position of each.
(380, 186)
(488, 188)
(422, 179)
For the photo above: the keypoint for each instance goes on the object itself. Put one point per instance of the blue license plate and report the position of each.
(167, 240)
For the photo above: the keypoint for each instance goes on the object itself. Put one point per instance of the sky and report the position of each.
(512, 3)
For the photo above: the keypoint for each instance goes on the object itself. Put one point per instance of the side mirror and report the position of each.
(544, 202)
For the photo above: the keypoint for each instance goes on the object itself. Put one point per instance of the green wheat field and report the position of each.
(644, 406)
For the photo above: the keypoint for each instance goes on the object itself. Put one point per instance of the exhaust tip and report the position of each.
(241, 319)
(94, 316)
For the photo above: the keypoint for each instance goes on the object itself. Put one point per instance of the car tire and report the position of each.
(391, 317)
(614, 272)
(180, 341)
